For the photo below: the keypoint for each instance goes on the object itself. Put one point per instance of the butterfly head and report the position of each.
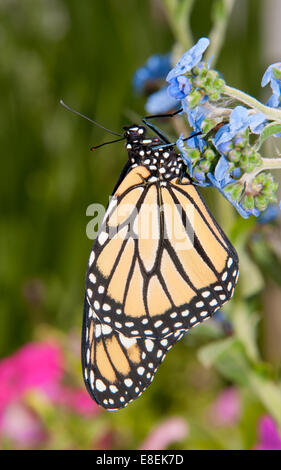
(163, 163)
(137, 139)
(134, 133)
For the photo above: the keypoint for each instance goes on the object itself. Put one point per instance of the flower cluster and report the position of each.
(226, 153)
(268, 435)
(37, 369)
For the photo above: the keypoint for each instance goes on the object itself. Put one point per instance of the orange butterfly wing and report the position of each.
(159, 266)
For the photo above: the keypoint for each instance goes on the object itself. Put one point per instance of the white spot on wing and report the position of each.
(100, 386)
(149, 345)
(127, 342)
(92, 258)
(103, 236)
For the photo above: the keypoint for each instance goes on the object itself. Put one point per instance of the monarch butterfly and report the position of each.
(143, 293)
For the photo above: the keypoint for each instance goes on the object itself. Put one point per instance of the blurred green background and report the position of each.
(86, 53)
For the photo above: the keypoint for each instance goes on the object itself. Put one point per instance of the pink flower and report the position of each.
(20, 425)
(76, 399)
(169, 431)
(226, 409)
(104, 441)
(268, 436)
(35, 365)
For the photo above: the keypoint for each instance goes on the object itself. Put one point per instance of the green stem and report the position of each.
(267, 164)
(178, 14)
(222, 12)
(271, 113)
(271, 164)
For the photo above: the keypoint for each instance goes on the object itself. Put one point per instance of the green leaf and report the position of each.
(267, 132)
(245, 328)
(240, 233)
(229, 359)
(250, 280)
(209, 354)
(266, 259)
(268, 392)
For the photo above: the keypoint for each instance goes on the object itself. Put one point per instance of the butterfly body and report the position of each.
(162, 161)
(159, 266)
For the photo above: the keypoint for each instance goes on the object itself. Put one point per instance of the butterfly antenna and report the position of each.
(88, 119)
(95, 147)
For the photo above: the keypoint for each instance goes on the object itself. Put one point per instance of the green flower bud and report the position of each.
(194, 98)
(261, 202)
(256, 186)
(207, 125)
(235, 190)
(234, 156)
(194, 154)
(200, 69)
(231, 167)
(248, 202)
(214, 95)
(221, 84)
(205, 166)
(211, 76)
(241, 141)
(210, 155)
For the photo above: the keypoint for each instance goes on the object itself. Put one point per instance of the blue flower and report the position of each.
(240, 119)
(189, 59)
(198, 175)
(179, 87)
(270, 214)
(155, 68)
(160, 102)
(222, 139)
(195, 118)
(257, 122)
(270, 76)
(241, 210)
(221, 173)
(236, 173)
(244, 212)
(221, 179)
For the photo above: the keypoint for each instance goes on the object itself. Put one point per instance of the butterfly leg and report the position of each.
(155, 116)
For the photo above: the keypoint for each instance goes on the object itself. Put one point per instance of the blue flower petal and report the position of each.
(269, 77)
(186, 158)
(223, 138)
(223, 135)
(160, 102)
(189, 59)
(179, 87)
(239, 119)
(257, 122)
(155, 68)
(268, 74)
(199, 178)
(270, 214)
(221, 169)
(195, 115)
(236, 173)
